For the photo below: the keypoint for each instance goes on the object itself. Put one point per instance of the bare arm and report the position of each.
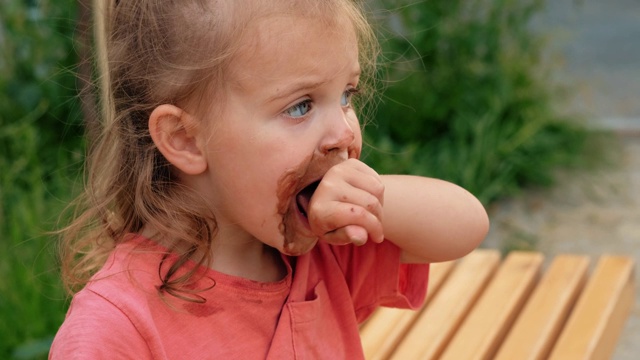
(431, 220)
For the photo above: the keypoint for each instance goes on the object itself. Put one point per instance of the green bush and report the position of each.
(40, 147)
(466, 98)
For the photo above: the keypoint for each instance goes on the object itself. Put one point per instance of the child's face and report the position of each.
(287, 119)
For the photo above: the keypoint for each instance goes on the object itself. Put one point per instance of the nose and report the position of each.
(339, 134)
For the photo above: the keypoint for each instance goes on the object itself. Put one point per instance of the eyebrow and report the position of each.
(296, 87)
(303, 86)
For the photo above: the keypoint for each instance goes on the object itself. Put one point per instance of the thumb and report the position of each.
(350, 234)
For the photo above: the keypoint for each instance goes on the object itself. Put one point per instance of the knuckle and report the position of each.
(378, 189)
(373, 205)
(321, 224)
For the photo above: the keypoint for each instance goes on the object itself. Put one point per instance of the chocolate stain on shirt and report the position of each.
(202, 310)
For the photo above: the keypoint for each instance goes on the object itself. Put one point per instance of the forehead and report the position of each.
(290, 46)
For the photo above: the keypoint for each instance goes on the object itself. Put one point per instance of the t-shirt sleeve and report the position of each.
(376, 277)
(96, 329)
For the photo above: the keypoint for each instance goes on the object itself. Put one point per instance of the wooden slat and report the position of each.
(595, 324)
(486, 325)
(438, 322)
(387, 326)
(597, 312)
(537, 328)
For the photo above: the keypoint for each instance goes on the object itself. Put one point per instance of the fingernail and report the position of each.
(357, 240)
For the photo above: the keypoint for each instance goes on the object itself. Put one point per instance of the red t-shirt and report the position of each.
(313, 313)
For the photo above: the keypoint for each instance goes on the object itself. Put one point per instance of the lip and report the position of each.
(301, 217)
(300, 204)
(303, 197)
(295, 226)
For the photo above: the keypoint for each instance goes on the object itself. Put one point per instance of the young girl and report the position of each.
(227, 214)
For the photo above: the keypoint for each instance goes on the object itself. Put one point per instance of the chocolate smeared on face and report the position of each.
(295, 189)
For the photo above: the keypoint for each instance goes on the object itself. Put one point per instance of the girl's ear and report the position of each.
(174, 132)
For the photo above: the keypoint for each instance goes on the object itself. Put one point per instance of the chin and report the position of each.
(298, 246)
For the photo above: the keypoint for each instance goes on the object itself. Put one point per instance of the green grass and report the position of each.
(32, 302)
(39, 155)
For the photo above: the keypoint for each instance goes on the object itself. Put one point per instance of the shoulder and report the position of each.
(95, 328)
(111, 312)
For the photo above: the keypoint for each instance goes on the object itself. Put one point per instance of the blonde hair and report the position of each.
(160, 52)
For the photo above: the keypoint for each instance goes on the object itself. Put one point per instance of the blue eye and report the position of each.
(345, 100)
(300, 109)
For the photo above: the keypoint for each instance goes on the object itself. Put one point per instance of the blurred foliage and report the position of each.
(40, 151)
(466, 98)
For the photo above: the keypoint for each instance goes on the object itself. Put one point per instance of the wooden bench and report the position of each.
(483, 307)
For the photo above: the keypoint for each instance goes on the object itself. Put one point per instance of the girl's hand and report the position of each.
(347, 205)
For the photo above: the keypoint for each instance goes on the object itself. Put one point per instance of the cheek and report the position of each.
(358, 136)
(356, 146)
(265, 179)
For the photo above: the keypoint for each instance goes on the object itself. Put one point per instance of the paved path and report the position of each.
(598, 43)
(598, 48)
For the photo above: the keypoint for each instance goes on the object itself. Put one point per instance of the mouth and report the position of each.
(295, 190)
(303, 198)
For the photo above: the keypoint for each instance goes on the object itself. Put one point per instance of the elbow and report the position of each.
(456, 242)
(478, 231)
(469, 234)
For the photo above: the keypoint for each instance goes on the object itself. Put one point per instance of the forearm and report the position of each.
(430, 219)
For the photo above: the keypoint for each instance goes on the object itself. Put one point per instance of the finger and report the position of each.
(346, 197)
(344, 214)
(351, 234)
(358, 175)
(356, 234)
(332, 193)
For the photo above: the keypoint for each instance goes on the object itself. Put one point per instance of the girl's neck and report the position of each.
(257, 262)
(246, 258)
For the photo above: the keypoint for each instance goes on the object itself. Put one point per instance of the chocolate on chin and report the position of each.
(298, 238)
(298, 245)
